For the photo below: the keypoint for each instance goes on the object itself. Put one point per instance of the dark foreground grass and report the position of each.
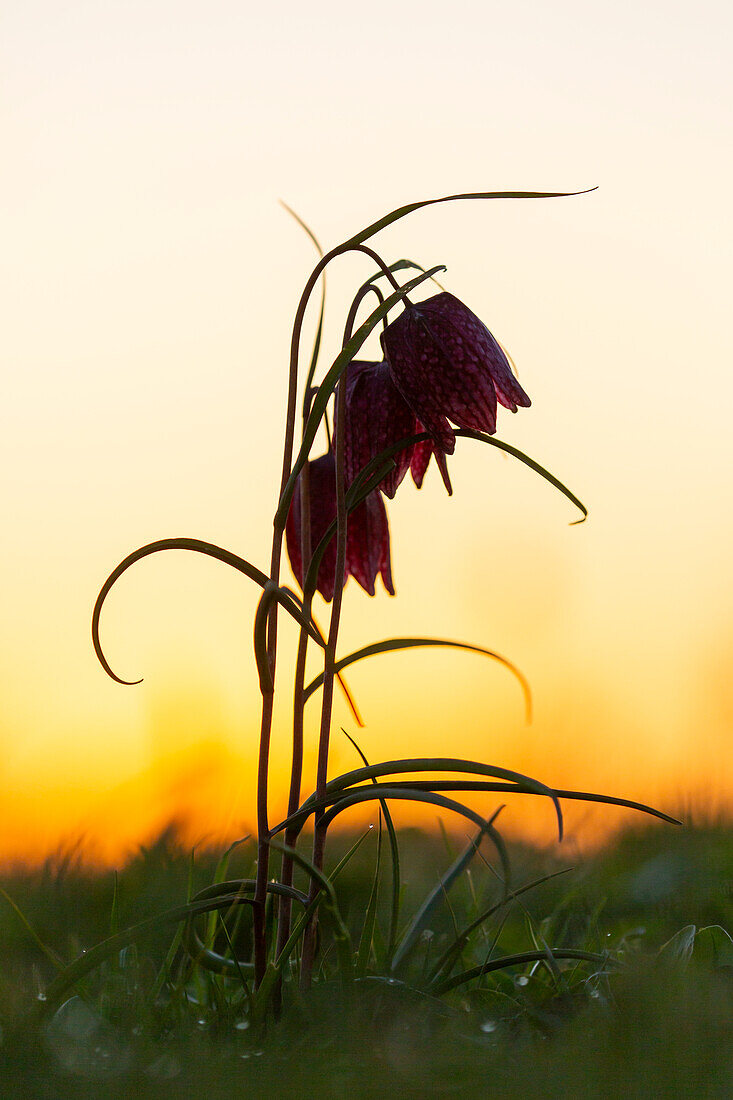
(655, 1020)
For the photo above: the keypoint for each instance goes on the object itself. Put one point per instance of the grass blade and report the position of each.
(447, 959)
(441, 888)
(394, 909)
(521, 959)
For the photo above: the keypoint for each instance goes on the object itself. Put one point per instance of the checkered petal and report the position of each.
(448, 366)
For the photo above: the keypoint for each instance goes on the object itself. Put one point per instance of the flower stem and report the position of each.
(319, 834)
(263, 834)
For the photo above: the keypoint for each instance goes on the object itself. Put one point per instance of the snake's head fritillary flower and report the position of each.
(448, 366)
(367, 536)
(377, 416)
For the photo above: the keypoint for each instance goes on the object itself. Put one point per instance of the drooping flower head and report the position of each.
(448, 366)
(367, 533)
(377, 416)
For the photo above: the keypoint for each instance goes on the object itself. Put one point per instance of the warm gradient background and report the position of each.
(149, 281)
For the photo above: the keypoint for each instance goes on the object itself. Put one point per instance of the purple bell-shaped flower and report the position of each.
(448, 366)
(367, 535)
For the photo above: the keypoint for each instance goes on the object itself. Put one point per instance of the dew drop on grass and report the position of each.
(241, 1025)
(522, 980)
(488, 1026)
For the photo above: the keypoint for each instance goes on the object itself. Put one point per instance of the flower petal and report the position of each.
(376, 417)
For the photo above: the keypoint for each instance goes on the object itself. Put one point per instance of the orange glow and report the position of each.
(149, 284)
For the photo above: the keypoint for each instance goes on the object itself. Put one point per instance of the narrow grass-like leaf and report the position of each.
(394, 909)
(87, 962)
(262, 660)
(322, 309)
(719, 946)
(199, 547)
(350, 701)
(438, 764)
(402, 211)
(401, 265)
(441, 888)
(220, 872)
(52, 957)
(678, 949)
(114, 916)
(482, 437)
(330, 906)
(611, 800)
(391, 645)
(366, 940)
(514, 788)
(380, 792)
(520, 959)
(447, 959)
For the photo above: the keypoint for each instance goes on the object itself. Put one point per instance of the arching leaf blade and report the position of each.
(482, 437)
(390, 645)
(409, 208)
(200, 547)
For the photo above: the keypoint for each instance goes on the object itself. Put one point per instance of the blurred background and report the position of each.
(149, 279)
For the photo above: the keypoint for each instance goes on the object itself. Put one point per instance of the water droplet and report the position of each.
(595, 993)
(40, 996)
(523, 980)
(488, 1026)
(241, 1025)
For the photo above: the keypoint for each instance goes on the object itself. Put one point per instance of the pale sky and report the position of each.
(149, 278)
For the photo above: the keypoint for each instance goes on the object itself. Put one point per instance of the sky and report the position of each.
(149, 278)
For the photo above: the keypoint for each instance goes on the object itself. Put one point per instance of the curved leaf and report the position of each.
(199, 547)
(401, 265)
(322, 309)
(402, 211)
(439, 891)
(439, 764)
(518, 960)
(367, 794)
(482, 437)
(87, 962)
(394, 909)
(447, 959)
(512, 788)
(392, 644)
